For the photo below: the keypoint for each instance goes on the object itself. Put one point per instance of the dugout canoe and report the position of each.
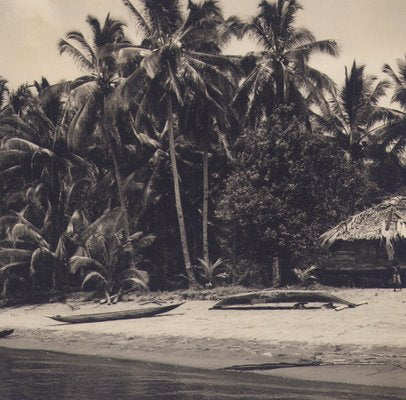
(115, 315)
(6, 332)
(266, 297)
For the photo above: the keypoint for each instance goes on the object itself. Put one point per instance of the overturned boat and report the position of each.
(115, 315)
(299, 299)
(6, 332)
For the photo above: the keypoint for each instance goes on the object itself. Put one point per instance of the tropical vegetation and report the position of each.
(167, 163)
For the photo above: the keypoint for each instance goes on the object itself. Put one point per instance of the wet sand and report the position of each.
(42, 375)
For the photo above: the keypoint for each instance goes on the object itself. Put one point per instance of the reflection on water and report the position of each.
(36, 375)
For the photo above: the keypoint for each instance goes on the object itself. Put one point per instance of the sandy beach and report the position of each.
(368, 340)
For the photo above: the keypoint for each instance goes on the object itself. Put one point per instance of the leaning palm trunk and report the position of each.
(119, 182)
(205, 202)
(178, 200)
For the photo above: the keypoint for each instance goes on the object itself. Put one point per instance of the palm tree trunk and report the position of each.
(178, 200)
(206, 202)
(119, 182)
(123, 204)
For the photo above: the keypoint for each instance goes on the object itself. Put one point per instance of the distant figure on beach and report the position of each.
(397, 283)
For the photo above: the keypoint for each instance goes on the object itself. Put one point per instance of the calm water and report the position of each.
(27, 375)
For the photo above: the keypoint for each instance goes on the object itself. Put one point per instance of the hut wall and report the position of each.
(361, 255)
(362, 263)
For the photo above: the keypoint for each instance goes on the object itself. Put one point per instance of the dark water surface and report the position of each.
(27, 375)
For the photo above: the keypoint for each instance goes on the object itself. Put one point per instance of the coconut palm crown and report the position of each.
(393, 133)
(280, 73)
(351, 113)
(95, 57)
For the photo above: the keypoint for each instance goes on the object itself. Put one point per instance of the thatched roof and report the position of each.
(385, 221)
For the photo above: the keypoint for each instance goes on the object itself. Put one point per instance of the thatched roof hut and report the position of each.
(384, 222)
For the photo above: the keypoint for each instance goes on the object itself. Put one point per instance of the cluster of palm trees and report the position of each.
(83, 162)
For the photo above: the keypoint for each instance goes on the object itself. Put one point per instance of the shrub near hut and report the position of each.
(288, 186)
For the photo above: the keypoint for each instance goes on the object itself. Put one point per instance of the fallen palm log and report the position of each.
(270, 366)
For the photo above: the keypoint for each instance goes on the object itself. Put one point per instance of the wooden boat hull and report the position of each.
(115, 315)
(266, 297)
(6, 332)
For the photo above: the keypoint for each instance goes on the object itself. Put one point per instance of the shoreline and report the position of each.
(381, 378)
(227, 382)
(194, 337)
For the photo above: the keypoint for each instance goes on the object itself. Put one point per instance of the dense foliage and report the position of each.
(169, 163)
(288, 186)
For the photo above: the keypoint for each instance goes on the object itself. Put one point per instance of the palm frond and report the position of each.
(300, 36)
(98, 248)
(124, 96)
(151, 64)
(223, 62)
(93, 275)
(321, 80)
(11, 158)
(387, 69)
(96, 29)
(79, 38)
(78, 223)
(104, 225)
(26, 146)
(139, 20)
(16, 266)
(12, 172)
(135, 273)
(42, 258)
(24, 232)
(77, 262)
(77, 193)
(378, 92)
(78, 57)
(164, 17)
(6, 222)
(8, 256)
(231, 27)
(135, 282)
(329, 47)
(82, 125)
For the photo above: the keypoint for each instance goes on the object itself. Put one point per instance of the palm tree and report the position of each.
(280, 73)
(183, 50)
(108, 257)
(393, 133)
(33, 249)
(40, 171)
(208, 126)
(91, 91)
(352, 112)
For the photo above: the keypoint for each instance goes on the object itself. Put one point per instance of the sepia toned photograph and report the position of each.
(202, 199)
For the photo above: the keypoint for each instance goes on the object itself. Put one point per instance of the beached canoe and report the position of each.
(111, 316)
(6, 332)
(268, 296)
